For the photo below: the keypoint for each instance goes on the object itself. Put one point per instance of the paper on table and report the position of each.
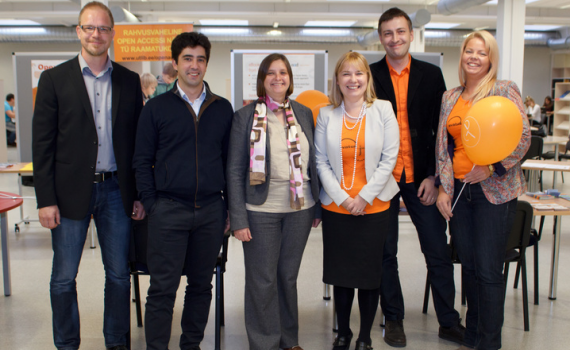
(546, 166)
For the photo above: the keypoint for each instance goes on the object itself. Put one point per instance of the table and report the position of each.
(20, 169)
(536, 165)
(8, 201)
(556, 241)
(557, 141)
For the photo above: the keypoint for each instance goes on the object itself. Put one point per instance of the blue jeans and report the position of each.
(431, 227)
(479, 230)
(68, 239)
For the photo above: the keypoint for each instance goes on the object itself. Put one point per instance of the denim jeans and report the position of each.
(68, 239)
(479, 230)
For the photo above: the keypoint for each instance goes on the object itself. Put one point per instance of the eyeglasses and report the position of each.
(101, 29)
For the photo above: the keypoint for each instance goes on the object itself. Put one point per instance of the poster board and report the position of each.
(27, 67)
(309, 72)
(435, 58)
(139, 42)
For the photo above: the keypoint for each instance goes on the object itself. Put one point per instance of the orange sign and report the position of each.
(146, 42)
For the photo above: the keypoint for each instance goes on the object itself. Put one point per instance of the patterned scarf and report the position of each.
(258, 147)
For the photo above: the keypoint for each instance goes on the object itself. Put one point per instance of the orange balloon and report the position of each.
(316, 111)
(491, 130)
(311, 98)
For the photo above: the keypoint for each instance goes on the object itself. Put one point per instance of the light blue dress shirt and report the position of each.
(197, 103)
(99, 89)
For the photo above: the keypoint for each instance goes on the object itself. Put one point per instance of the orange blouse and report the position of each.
(347, 146)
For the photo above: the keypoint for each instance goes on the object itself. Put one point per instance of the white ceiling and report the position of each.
(285, 12)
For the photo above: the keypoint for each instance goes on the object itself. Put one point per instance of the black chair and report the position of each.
(455, 260)
(534, 152)
(535, 237)
(516, 250)
(138, 267)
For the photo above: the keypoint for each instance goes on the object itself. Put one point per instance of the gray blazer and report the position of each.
(382, 141)
(240, 191)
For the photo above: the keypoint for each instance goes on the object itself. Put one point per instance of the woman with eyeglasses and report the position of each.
(273, 196)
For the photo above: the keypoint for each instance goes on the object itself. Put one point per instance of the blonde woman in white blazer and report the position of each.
(357, 141)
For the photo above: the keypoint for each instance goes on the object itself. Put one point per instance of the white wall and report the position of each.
(536, 71)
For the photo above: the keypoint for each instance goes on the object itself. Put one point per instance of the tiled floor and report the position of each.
(25, 316)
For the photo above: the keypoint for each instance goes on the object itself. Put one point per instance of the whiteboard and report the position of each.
(309, 72)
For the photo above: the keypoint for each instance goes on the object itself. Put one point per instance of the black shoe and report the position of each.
(454, 334)
(394, 333)
(118, 347)
(360, 345)
(342, 343)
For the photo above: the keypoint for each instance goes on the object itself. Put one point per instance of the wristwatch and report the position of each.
(491, 170)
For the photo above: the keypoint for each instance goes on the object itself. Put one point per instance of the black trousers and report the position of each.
(431, 227)
(181, 240)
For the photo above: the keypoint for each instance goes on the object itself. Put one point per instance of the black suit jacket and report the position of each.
(425, 89)
(64, 139)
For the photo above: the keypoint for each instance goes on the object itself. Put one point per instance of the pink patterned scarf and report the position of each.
(258, 147)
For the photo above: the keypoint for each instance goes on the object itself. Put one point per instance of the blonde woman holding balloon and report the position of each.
(479, 200)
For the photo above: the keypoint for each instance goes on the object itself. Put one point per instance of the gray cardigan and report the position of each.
(239, 189)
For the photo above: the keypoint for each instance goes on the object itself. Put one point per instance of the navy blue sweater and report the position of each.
(181, 157)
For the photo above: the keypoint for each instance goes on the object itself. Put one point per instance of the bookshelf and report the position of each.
(560, 70)
(561, 109)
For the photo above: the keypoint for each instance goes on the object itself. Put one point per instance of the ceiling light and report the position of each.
(325, 32)
(275, 24)
(26, 30)
(565, 6)
(540, 27)
(18, 22)
(495, 2)
(224, 22)
(274, 32)
(480, 28)
(329, 23)
(222, 31)
(436, 25)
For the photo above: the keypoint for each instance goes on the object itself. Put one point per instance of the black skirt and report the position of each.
(353, 249)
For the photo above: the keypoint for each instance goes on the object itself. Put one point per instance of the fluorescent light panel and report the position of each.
(540, 27)
(436, 25)
(329, 23)
(222, 31)
(18, 22)
(325, 32)
(224, 22)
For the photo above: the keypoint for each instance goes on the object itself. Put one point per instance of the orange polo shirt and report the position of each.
(405, 156)
(347, 148)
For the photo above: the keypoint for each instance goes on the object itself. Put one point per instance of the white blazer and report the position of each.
(382, 142)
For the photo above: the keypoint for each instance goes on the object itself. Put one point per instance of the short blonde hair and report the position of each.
(488, 82)
(359, 61)
(147, 80)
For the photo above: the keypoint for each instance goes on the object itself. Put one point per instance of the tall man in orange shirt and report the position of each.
(415, 89)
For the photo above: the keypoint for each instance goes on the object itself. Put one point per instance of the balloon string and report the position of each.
(460, 192)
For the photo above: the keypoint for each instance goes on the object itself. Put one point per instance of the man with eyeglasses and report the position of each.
(84, 126)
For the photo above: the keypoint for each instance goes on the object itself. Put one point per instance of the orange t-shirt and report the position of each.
(348, 144)
(405, 156)
(461, 163)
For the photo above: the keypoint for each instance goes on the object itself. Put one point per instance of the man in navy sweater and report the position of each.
(180, 160)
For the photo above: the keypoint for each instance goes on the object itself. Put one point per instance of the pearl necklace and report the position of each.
(358, 122)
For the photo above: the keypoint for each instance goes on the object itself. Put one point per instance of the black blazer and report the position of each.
(64, 139)
(425, 89)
